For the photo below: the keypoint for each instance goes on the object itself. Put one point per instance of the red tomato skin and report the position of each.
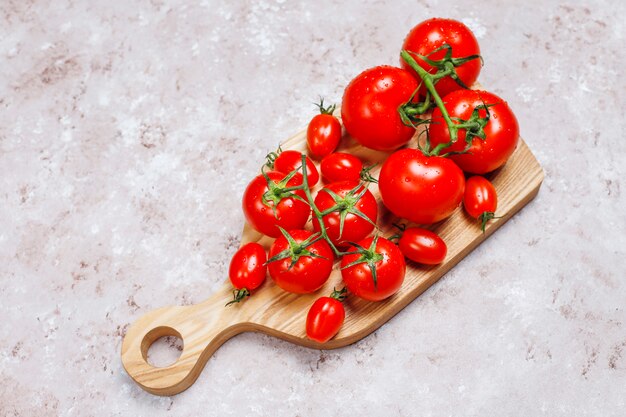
(323, 135)
(324, 319)
(433, 33)
(390, 271)
(291, 213)
(247, 269)
(369, 109)
(289, 160)
(502, 131)
(423, 246)
(308, 274)
(419, 188)
(341, 166)
(355, 228)
(480, 196)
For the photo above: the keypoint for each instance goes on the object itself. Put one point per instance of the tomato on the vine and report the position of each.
(501, 131)
(369, 109)
(325, 317)
(247, 270)
(422, 189)
(287, 161)
(267, 205)
(300, 261)
(355, 213)
(431, 34)
(324, 132)
(340, 166)
(480, 200)
(422, 246)
(375, 270)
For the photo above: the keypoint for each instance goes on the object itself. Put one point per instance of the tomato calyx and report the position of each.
(296, 250)
(346, 205)
(270, 158)
(238, 295)
(446, 66)
(484, 218)
(277, 191)
(339, 295)
(410, 112)
(368, 256)
(325, 110)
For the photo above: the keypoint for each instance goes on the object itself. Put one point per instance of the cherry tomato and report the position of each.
(298, 271)
(383, 256)
(324, 132)
(247, 270)
(325, 317)
(501, 131)
(419, 188)
(432, 34)
(480, 199)
(369, 110)
(341, 166)
(355, 203)
(247, 267)
(281, 209)
(287, 161)
(423, 246)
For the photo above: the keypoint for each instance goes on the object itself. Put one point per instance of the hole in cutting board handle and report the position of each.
(153, 339)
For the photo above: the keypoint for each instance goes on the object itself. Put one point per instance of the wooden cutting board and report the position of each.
(205, 326)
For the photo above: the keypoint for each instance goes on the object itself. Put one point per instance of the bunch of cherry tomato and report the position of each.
(464, 133)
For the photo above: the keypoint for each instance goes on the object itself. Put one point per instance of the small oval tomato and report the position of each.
(501, 131)
(300, 262)
(369, 109)
(419, 188)
(247, 270)
(324, 132)
(325, 318)
(480, 199)
(377, 272)
(281, 208)
(432, 34)
(247, 267)
(287, 161)
(341, 166)
(354, 204)
(422, 246)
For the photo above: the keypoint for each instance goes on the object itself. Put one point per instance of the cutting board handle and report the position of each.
(202, 328)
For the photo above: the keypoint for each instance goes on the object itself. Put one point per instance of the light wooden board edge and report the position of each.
(206, 326)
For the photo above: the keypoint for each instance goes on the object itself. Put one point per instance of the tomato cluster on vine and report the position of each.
(435, 129)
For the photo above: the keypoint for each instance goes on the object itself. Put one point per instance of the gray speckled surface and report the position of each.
(123, 128)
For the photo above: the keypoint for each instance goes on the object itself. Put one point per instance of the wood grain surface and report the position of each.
(205, 326)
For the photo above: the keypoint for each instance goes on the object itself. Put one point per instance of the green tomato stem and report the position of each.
(316, 212)
(429, 82)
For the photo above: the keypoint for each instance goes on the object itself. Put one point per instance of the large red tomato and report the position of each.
(354, 204)
(432, 34)
(422, 189)
(302, 267)
(280, 208)
(501, 131)
(369, 110)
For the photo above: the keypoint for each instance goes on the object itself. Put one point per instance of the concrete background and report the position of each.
(129, 131)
